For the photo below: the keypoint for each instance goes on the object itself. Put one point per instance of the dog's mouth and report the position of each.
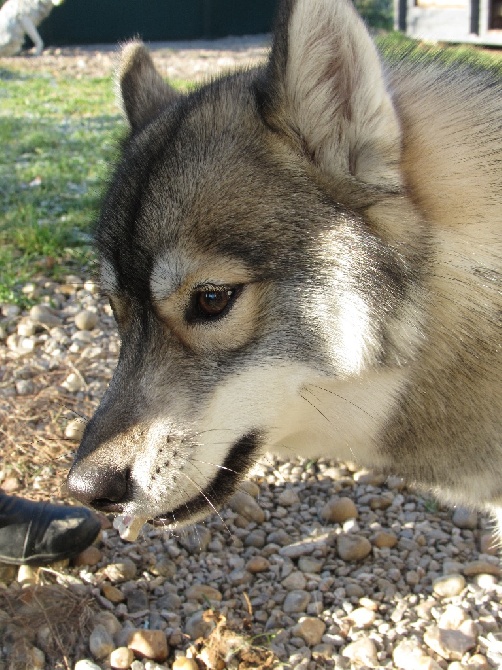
(239, 460)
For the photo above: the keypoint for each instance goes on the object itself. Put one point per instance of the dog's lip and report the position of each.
(221, 487)
(161, 520)
(108, 507)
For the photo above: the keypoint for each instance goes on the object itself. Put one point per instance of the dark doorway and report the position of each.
(495, 15)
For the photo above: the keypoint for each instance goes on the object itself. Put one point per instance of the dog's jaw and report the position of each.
(239, 460)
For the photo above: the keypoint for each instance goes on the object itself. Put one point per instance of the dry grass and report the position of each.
(52, 618)
(34, 450)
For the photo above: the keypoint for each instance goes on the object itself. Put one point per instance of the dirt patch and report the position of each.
(195, 60)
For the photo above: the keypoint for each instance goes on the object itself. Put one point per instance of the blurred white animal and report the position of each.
(19, 18)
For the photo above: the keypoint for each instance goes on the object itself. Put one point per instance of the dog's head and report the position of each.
(235, 245)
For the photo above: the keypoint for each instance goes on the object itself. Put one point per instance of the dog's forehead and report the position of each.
(206, 178)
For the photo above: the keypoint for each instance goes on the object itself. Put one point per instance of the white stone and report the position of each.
(448, 586)
(73, 383)
(75, 430)
(26, 575)
(362, 651)
(362, 617)
(452, 618)
(86, 319)
(407, 654)
(121, 658)
(86, 664)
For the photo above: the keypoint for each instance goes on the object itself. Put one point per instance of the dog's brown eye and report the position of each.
(211, 302)
(214, 302)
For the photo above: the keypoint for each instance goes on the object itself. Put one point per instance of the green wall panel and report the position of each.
(95, 21)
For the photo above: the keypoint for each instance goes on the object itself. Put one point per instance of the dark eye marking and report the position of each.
(209, 303)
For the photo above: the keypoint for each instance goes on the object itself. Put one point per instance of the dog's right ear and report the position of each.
(143, 92)
(325, 89)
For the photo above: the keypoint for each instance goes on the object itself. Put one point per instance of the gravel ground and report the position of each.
(311, 564)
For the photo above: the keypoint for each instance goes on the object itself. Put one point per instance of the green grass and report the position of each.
(58, 135)
(395, 45)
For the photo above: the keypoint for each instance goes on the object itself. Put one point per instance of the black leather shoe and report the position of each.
(35, 533)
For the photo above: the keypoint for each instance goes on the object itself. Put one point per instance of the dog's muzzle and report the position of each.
(108, 488)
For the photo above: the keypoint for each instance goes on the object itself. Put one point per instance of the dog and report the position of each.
(19, 18)
(302, 258)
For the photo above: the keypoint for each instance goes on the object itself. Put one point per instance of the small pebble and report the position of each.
(100, 642)
(452, 618)
(121, 571)
(363, 652)
(45, 316)
(137, 601)
(202, 593)
(112, 593)
(149, 644)
(465, 518)
(109, 621)
(195, 539)
(121, 658)
(339, 510)
(26, 575)
(295, 580)
(385, 539)
(296, 601)
(86, 664)
(353, 547)
(242, 503)
(257, 564)
(310, 629)
(184, 663)
(482, 567)
(73, 383)
(450, 644)
(449, 585)
(75, 430)
(89, 556)
(362, 617)
(250, 487)
(196, 626)
(86, 320)
(288, 497)
(488, 544)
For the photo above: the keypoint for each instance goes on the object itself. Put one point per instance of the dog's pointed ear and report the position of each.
(143, 92)
(324, 87)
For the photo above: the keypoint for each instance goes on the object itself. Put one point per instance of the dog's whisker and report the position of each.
(74, 411)
(208, 502)
(337, 395)
(215, 465)
(315, 407)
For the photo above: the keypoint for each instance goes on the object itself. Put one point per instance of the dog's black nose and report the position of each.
(103, 487)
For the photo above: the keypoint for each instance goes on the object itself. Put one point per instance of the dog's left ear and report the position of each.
(325, 89)
(143, 92)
